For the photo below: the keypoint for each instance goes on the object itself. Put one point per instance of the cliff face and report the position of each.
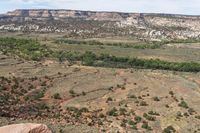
(98, 24)
(61, 14)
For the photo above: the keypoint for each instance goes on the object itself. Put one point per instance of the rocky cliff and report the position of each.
(98, 24)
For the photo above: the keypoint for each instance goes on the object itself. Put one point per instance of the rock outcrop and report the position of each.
(25, 128)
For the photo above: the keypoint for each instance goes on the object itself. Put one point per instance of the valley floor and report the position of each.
(71, 97)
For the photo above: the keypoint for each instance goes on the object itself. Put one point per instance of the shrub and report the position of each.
(109, 99)
(197, 117)
(179, 114)
(134, 127)
(143, 103)
(171, 93)
(183, 104)
(169, 129)
(56, 96)
(191, 111)
(146, 126)
(101, 115)
(61, 131)
(150, 118)
(72, 92)
(156, 99)
(123, 124)
(123, 88)
(73, 109)
(138, 119)
(84, 109)
(122, 111)
(130, 122)
(42, 106)
(112, 112)
(132, 96)
(89, 58)
(153, 113)
(83, 93)
(38, 95)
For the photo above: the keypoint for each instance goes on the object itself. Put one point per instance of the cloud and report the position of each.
(153, 6)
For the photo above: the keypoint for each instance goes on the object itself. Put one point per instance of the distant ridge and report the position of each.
(153, 26)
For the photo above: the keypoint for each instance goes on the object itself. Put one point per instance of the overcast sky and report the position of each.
(190, 7)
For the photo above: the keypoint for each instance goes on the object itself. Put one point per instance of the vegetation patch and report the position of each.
(25, 48)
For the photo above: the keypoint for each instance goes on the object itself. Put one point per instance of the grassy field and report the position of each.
(174, 52)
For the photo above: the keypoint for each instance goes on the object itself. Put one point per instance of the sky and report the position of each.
(189, 7)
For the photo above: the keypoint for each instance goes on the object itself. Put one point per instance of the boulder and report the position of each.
(25, 128)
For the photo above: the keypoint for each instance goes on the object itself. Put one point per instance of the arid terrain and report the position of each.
(101, 82)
